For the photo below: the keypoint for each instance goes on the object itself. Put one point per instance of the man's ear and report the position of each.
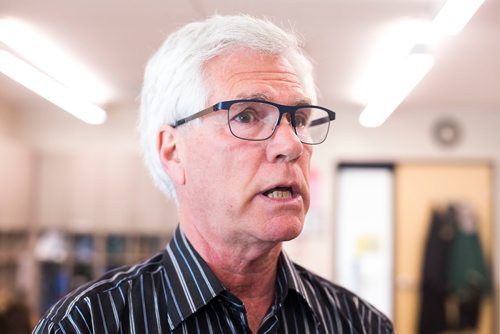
(169, 155)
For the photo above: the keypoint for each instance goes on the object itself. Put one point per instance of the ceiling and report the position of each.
(116, 37)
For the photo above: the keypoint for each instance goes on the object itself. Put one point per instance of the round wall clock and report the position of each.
(447, 132)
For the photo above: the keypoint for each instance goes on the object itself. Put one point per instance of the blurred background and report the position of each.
(404, 205)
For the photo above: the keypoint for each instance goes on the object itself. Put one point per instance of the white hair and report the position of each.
(174, 86)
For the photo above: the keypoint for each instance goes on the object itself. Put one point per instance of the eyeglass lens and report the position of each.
(257, 121)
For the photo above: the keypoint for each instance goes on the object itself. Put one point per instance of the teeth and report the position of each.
(280, 194)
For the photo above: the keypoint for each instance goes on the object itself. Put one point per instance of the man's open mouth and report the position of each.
(279, 192)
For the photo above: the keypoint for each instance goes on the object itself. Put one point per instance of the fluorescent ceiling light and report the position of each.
(45, 86)
(385, 84)
(395, 87)
(40, 51)
(398, 40)
(454, 15)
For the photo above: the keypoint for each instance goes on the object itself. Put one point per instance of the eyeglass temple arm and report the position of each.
(322, 120)
(197, 115)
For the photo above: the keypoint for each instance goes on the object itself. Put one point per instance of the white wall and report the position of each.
(89, 177)
(15, 173)
(54, 131)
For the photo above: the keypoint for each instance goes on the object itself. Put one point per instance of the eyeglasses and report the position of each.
(257, 120)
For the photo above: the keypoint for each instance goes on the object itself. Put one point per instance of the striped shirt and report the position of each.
(176, 292)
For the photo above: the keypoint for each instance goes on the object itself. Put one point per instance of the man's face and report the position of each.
(239, 191)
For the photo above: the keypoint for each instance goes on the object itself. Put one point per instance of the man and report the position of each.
(227, 125)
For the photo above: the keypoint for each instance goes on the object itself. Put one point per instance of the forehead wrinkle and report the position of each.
(264, 97)
(278, 76)
(265, 81)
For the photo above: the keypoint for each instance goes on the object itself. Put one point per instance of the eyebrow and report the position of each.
(264, 97)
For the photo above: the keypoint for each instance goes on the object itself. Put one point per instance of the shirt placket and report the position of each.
(236, 312)
(271, 321)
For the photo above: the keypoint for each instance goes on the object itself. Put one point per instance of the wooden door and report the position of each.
(419, 188)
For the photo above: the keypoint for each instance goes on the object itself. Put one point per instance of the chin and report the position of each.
(281, 230)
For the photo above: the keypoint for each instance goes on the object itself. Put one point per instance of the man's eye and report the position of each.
(247, 116)
(301, 119)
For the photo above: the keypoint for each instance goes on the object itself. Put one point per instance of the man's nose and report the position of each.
(284, 144)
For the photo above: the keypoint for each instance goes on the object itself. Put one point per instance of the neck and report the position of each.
(247, 270)
(247, 278)
(244, 268)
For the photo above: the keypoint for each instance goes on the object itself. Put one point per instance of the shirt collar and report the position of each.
(290, 279)
(191, 283)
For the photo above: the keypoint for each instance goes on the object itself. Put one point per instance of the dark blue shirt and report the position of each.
(176, 292)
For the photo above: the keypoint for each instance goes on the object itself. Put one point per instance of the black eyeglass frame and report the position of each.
(283, 109)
